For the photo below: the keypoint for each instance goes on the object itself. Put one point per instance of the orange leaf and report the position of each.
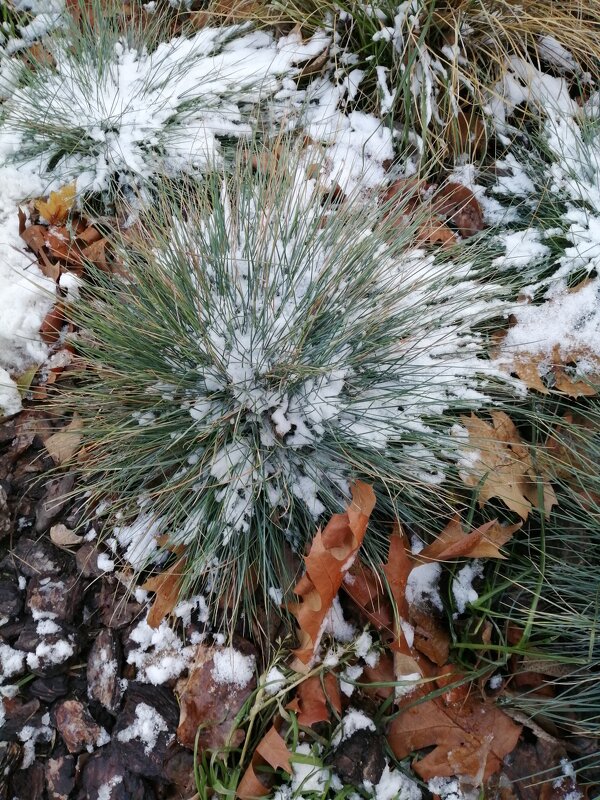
(313, 699)
(271, 750)
(167, 586)
(483, 542)
(55, 209)
(330, 557)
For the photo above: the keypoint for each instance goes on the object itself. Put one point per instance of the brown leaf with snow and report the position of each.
(503, 467)
(330, 557)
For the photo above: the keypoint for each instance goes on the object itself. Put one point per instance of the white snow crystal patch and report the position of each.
(348, 677)
(450, 789)
(30, 735)
(335, 624)
(25, 294)
(567, 320)
(462, 585)
(352, 721)
(140, 539)
(276, 595)
(231, 666)
(395, 785)
(406, 684)
(495, 682)
(362, 644)
(522, 248)
(422, 586)
(185, 608)
(274, 681)
(50, 653)
(147, 726)
(105, 563)
(105, 791)
(308, 777)
(160, 655)
(11, 661)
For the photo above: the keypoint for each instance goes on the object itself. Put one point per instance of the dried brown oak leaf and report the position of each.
(503, 466)
(331, 555)
(470, 737)
(453, 542)
(272, 751)
(64, 444)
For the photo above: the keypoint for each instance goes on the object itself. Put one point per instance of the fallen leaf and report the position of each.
(167, 587)
(314, 698)
(453, 542)
(459, 205)
(503, 468)
(52, 324)
(469, 738)
(210, 706)
(96, 254)
(56, 208)
(63, 536)
(330, 557)
(63, 445)
(271, 750)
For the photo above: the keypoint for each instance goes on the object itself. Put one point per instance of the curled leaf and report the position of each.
(331, 555)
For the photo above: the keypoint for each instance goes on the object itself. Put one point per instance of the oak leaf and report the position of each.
(271, 750)
(483, 542)
(470, 738)
(331, 555)
(503, 467)
(56, 208)
(63, 445)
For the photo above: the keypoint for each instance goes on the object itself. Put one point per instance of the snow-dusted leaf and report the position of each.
(331, 555)
(503, 467)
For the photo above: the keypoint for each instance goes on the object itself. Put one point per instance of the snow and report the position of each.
(348, 677)
(495, 682)
(352, 721)
(147, 726)
(232, 667)
(422, 586)
(105, 563)
(30, 735)
(105, 790)
(335, 624)
(307, 777)
(140, 539)
(462, 585)
(160, 655)
(11, 662)
(25, 294)
(274, 681)
(395, 785)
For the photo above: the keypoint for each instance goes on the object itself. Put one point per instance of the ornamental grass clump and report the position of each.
(110, 103)
(260, 348)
